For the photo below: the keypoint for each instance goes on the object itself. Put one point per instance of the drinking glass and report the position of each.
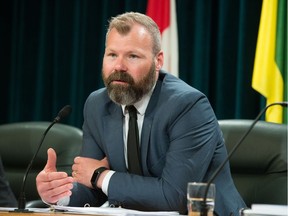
(195, 197)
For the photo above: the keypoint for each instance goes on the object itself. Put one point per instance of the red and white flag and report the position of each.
(163, 12)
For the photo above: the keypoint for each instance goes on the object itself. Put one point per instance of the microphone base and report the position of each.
(22, 211)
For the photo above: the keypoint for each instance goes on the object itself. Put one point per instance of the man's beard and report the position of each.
(131, 92)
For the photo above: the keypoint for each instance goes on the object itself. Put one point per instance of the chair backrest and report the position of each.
(18, 143)
(259, 165)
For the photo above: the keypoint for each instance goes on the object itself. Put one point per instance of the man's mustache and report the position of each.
(120, 76)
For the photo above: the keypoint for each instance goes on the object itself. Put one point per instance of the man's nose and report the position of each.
(120, 64)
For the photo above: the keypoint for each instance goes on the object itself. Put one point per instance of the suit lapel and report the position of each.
(147, 124)
(113, 137)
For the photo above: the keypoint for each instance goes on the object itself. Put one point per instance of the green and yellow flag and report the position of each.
(270, 66)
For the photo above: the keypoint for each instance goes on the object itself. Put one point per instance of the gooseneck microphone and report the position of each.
(204, 207)
(65, 111)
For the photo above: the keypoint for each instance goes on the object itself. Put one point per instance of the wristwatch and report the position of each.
(96, 176)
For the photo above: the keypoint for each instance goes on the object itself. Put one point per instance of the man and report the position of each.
(7, 198)
(180, 139)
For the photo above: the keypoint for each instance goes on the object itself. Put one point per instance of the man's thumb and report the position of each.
(51, 161)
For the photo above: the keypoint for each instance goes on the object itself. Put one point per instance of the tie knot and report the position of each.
(132, 111)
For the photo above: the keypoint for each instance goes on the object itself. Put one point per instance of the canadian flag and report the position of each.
(163, 12)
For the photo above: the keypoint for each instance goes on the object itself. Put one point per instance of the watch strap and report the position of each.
(96, 176)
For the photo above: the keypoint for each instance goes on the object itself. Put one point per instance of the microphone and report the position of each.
(204, 207)
(65, 111)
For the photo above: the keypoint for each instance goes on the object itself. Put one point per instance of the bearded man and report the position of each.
(177, 136)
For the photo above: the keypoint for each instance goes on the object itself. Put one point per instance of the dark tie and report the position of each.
(133, 143)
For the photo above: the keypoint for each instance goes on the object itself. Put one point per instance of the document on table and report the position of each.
(111, 211)
(95, 211)
(266, 210)
(12, 209)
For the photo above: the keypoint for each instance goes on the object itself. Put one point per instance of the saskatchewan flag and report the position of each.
(270, 66)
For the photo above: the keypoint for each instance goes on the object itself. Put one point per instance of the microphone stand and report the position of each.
(22, 199)
(204, 208)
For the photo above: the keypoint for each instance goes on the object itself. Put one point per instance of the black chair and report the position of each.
(259, 165)
(18, 143)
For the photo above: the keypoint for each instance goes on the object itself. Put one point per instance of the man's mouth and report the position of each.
(121, 82)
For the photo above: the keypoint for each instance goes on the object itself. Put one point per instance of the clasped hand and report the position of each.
(53, 185)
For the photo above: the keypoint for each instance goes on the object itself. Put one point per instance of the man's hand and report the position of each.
(53, 185)
(83, 169)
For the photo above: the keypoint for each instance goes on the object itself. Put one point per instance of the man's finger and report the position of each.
(51, 161)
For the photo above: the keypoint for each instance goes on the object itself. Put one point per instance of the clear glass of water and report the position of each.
(195, 198)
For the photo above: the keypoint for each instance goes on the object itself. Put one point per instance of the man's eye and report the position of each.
(112, 54)
(133, 56)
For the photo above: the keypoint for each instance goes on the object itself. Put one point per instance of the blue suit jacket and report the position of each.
(181, 142)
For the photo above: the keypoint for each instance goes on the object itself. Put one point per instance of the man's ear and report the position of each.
(159, 60)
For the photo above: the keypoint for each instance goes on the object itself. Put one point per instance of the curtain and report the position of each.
(51, 54)
(217, 48)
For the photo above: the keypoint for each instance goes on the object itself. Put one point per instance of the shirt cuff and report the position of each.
(106, 180)
(64, 201)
